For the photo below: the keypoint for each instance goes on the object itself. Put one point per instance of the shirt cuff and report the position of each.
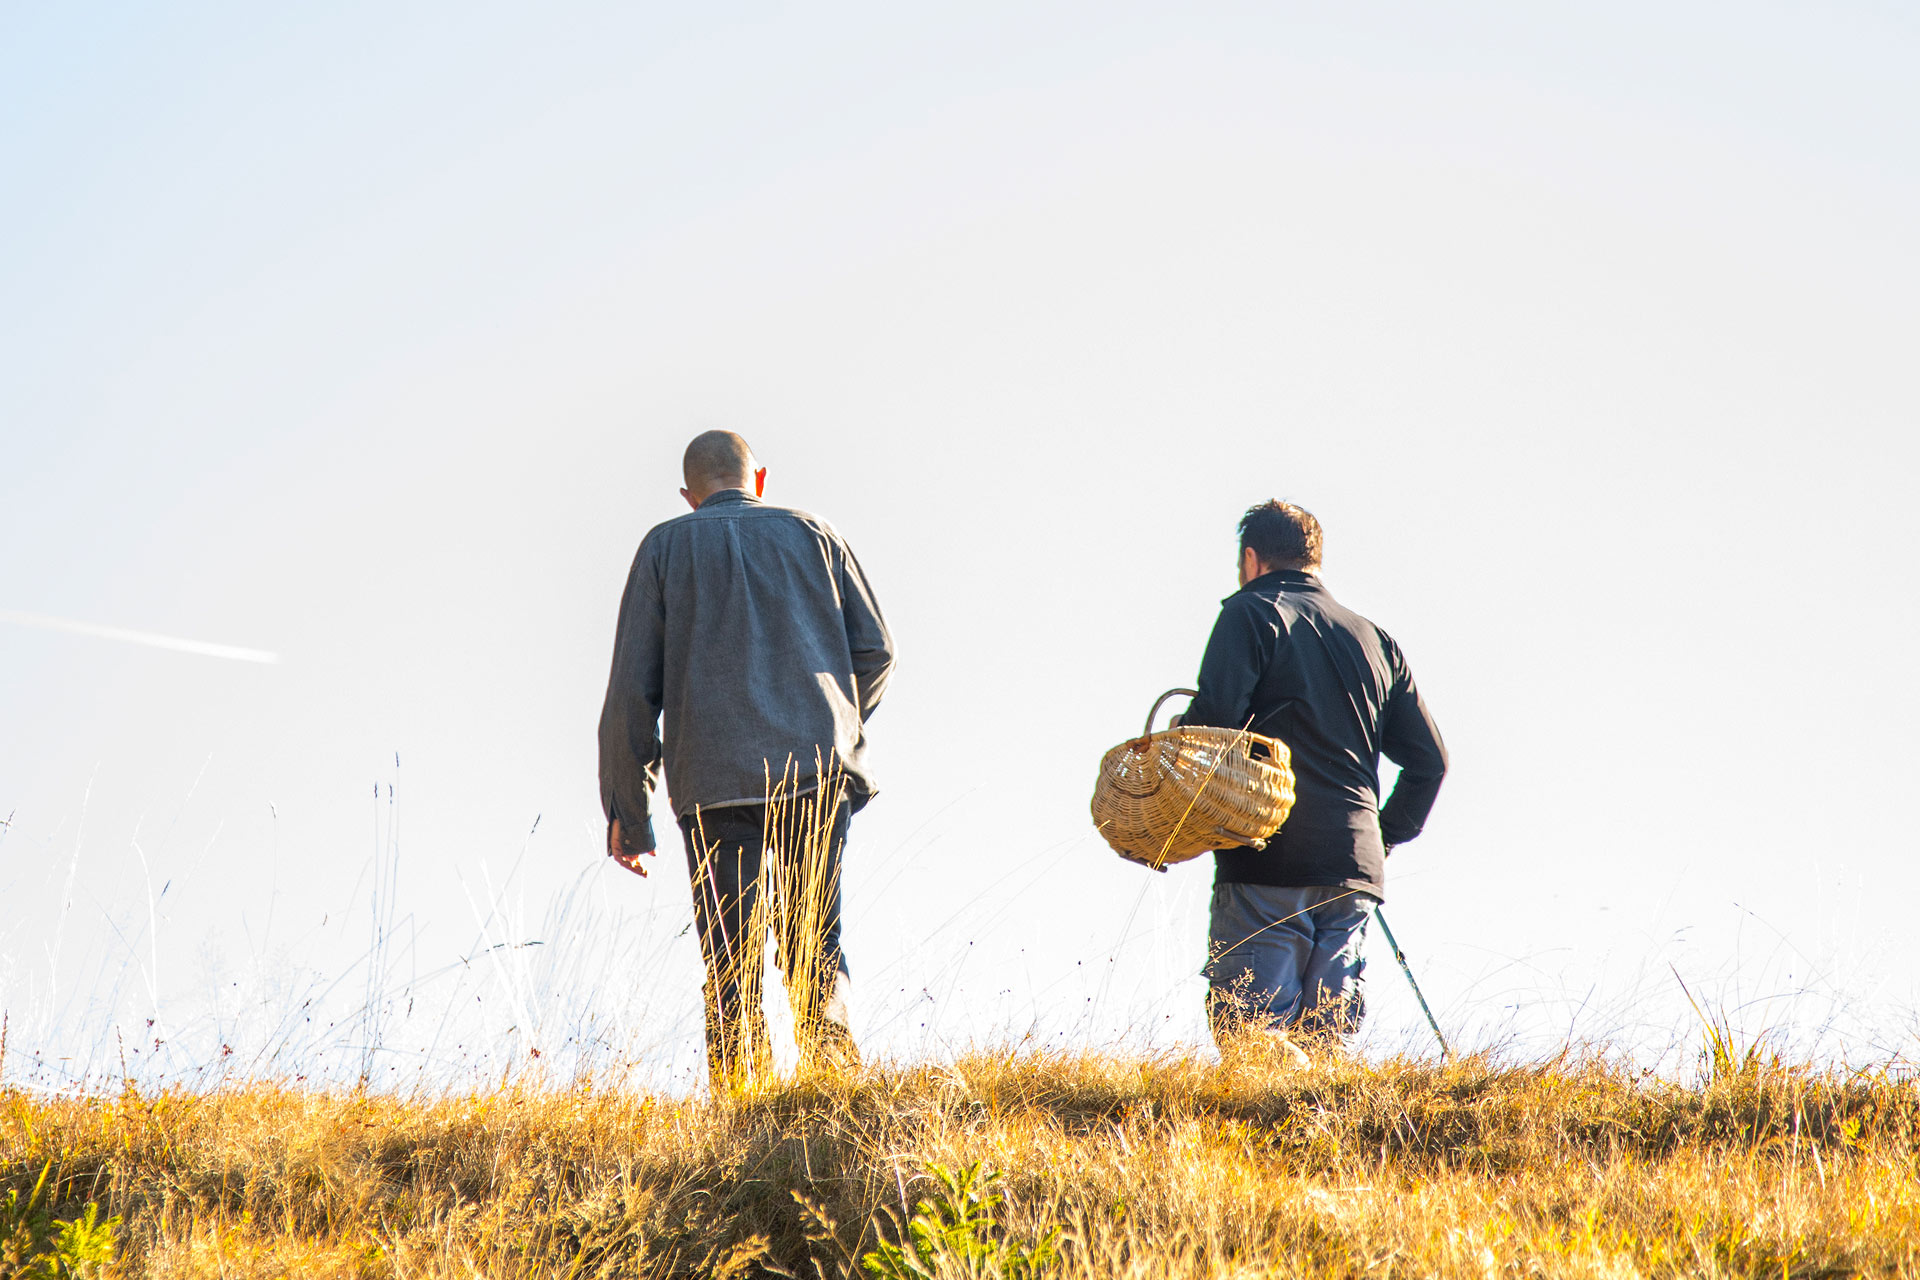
(637, 837)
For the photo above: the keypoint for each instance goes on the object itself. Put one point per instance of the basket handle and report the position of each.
(1159, 701)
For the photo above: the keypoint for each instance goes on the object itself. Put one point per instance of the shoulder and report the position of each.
(666, 527)
(1363, 628)
(664, 532)
(1254, 611)
(1388, 645)
(1327, 606)
(1369, 632)
(794, 521)
(1246, 601)
(792, 515)
(1396, 656)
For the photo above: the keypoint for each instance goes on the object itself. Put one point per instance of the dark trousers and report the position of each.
(756, 870)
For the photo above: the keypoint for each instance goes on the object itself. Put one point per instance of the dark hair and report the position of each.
(1282, 535)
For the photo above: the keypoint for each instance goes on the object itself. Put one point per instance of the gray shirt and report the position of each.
(753, 631)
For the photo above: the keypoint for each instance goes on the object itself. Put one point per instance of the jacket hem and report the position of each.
(1282, 880)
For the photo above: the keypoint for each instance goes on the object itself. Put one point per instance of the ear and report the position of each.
(760, 483)
(691, 500)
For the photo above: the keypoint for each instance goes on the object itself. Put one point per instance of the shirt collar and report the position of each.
(727, 498)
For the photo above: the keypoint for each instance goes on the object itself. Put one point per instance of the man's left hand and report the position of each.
(630, 859)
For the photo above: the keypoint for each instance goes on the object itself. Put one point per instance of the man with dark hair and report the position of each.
(753, 630)
(1287, 661)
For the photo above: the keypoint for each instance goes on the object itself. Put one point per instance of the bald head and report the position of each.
(716, 460)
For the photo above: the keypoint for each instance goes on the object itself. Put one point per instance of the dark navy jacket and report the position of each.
(1286, 660)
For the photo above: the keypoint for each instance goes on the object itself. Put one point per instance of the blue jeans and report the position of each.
(1286, 958)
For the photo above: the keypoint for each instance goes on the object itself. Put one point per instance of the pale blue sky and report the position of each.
(370, 336)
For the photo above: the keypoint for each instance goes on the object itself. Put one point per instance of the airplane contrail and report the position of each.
(202, 647)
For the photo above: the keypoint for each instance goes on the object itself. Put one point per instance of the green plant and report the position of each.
(1723, 1057)
(34, 1245)
(957, 1233)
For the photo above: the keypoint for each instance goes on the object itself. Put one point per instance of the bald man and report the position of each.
(752, 629)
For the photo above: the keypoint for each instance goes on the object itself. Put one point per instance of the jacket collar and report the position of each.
(1282, 580)
(727, 498)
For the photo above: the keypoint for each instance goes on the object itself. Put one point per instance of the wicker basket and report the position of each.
(1169, 796)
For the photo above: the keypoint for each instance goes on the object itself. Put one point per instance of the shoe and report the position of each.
(1290, 1053)
(832, 1049)
(1267, 1048)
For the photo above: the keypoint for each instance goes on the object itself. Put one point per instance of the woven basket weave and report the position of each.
(1169, 796)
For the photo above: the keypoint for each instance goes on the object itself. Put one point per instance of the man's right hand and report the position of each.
(617, 849)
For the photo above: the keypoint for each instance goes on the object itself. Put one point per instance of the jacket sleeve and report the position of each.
(1411, 740)
(1238, 651)
(867, 637)
(630, 719)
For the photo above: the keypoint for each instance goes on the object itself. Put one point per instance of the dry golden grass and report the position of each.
(1151, 1166)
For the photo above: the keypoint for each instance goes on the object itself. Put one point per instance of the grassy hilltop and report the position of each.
(997, 1165)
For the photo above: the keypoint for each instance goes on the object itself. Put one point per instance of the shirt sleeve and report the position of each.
(867, 637)
(1242, 643)
(630, 719)
(1410, 739)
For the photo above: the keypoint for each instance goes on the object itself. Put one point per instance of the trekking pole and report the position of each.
(1446, 1054)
